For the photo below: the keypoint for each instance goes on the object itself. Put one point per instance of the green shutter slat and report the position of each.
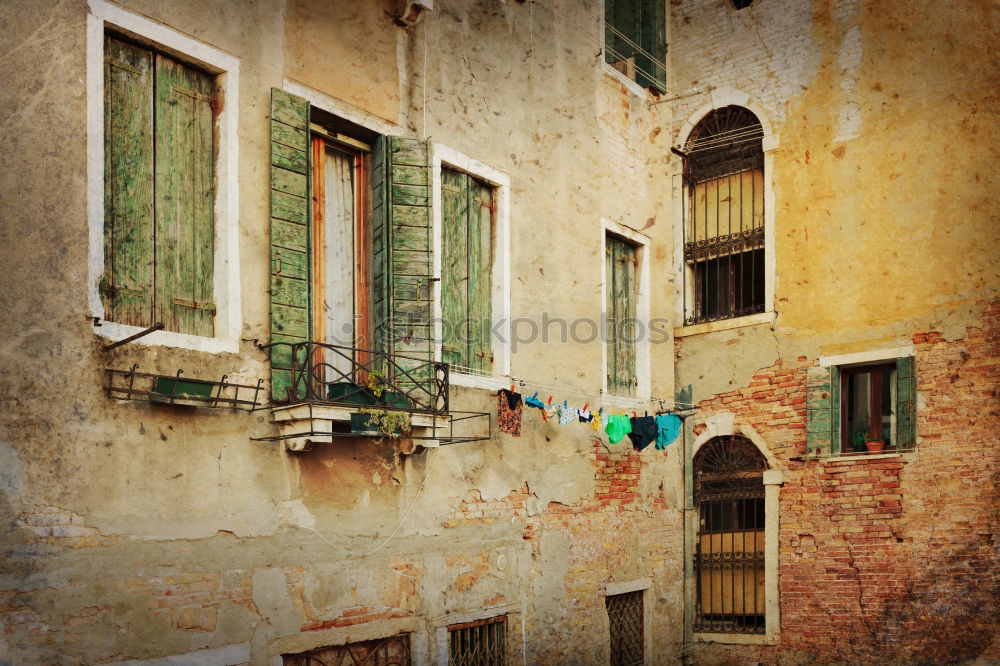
(290, 286)
(906, 400)
(652, 39)
(819, 414)
(454, 266)
(184, 200)
(127, 283)
(480, 282)
(621, 308)
(402, 268)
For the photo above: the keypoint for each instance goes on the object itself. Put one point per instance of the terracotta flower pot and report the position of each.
(875, 446)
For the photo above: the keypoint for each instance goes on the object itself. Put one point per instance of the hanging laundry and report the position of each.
(533, 401)
(566, 413)
(668, 426)
(643, 431)
(584, 415)
(509, 412)
(618, 426)
(597, 422)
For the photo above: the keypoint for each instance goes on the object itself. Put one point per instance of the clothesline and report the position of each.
(663, 428)
(595, 398)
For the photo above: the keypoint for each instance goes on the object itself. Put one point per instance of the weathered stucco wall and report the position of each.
(139, 531)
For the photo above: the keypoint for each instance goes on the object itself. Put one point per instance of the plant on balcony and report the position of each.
(376, 383)
(387, 422)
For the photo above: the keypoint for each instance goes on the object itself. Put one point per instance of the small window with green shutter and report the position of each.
(159, 190)
(621, 292)
(861, 408)
(466, 271)
(635, 41)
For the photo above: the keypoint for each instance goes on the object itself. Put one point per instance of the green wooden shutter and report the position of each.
(127, 284)
(184, 199)
(621, 312)
(652, 39)
(819, 411)
(906, 398)
(480, 281)
(402, 265)
(290, 265)
(454, 267)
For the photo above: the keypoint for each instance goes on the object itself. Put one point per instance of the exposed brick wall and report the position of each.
(892, 559)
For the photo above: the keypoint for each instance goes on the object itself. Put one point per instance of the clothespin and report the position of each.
(584, 406)
(512, 387)
(550, 400)
(634, 414)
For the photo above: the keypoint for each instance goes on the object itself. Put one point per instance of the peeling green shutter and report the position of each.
(402, 267)
(185, 196)
(466, 270)
(819, 411)
(906, 398)
(652, 38)
(621, 261)
(127, 284)
(290, 286)
(480, 275)
(454, 267)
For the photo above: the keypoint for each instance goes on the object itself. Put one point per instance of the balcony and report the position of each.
(337, 392)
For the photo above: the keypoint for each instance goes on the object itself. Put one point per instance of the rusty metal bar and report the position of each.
(140, 334)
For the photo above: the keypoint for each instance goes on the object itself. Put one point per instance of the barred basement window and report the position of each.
(392, 651)
(729, 555)
(724, 217)
(625, 615)
(478, 643)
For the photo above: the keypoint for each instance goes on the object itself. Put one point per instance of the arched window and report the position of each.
(729, 549)
(724, 217)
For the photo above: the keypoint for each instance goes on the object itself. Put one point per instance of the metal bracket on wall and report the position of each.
(140, 334)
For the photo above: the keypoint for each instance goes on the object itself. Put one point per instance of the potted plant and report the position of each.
(378, 386)
(875, 445)
(373, 421)
(858, 445)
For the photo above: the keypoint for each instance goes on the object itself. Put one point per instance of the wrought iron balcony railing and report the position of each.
(352, 377)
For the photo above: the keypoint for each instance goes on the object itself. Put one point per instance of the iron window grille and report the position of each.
(625, 617)
(724, 217)
(391, 651)
(729, 552)
(478, 643)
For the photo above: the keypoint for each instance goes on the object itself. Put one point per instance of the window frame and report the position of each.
(361, 259)
(721, 97)
(443, 156)
(825, 395)
(643, 388)
(501, 619)
(103, 18)
(632, 82)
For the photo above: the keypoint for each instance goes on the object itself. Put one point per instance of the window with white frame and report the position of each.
(472, 296)
(162, 182)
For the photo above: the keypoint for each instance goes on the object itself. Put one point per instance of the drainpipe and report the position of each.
(687, 543)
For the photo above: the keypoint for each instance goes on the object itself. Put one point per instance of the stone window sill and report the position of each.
(725, 324)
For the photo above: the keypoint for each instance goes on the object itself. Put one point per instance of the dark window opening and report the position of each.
(730, 286)
(479, 643)
(867, 406)
(741, 4)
